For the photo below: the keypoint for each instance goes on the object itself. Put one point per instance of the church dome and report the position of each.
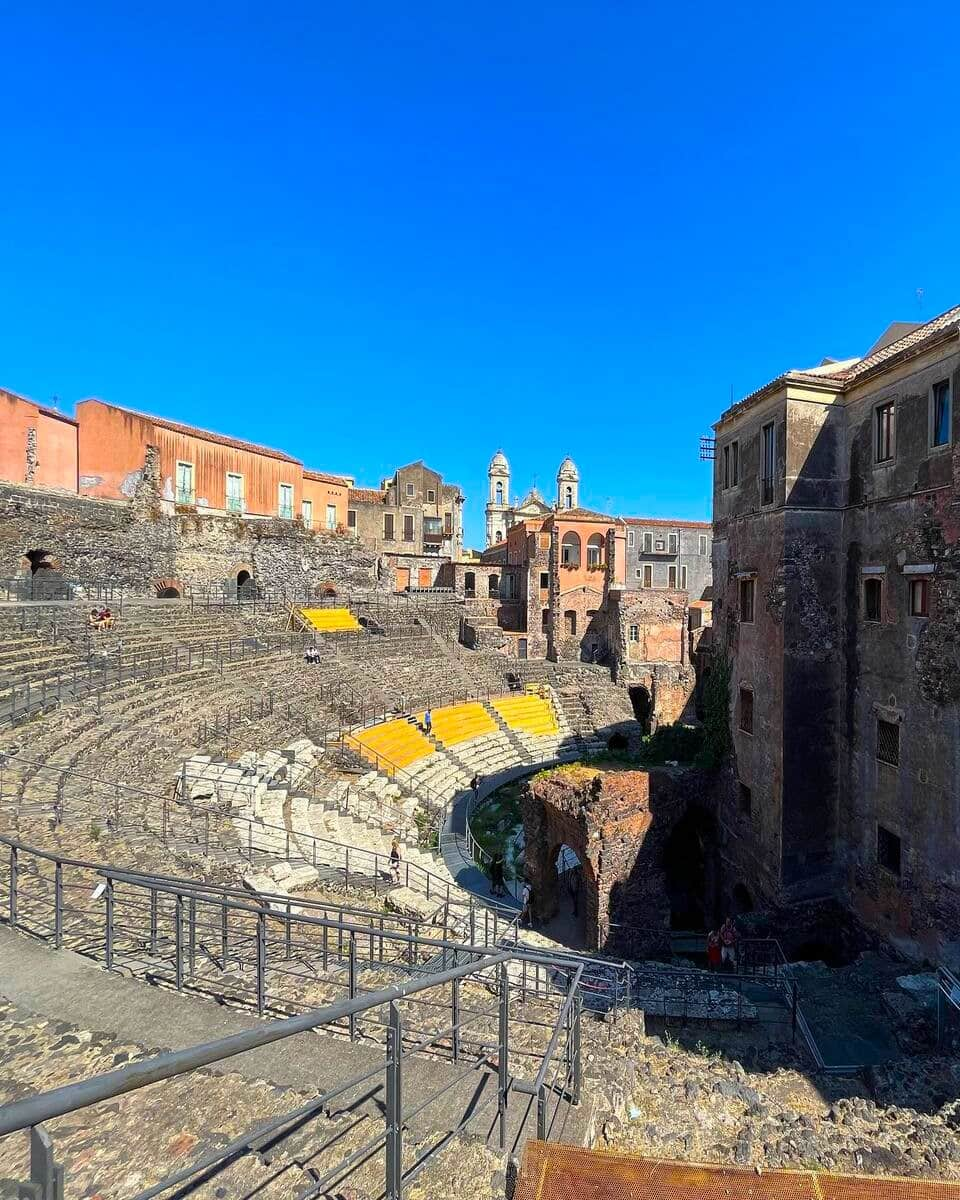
(568, 469)
(499, 462)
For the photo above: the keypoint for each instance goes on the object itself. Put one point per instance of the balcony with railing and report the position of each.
(234, 504)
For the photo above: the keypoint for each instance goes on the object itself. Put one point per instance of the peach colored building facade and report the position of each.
(38, 445)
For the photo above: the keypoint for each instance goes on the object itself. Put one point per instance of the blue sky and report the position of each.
(374, 232)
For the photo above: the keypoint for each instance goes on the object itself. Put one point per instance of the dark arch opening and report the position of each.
(640, 702)
(686, 861)
(493, 586)
(243, 577)
(742, 900)
(168, 593)
(617, 741)
(329, 591)
(470, 583)
(41, 560)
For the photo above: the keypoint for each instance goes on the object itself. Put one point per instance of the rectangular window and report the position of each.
(351, 518)
(746, 800)
(388, 533)
(408, 528)
(544, 581)
(726, 467)
(410, 489)
(648, 575)
(734, 463)
(919, 598)
(648, 543)
(307, 510)
(671, 577)
(747, 592)
(746, 710)
(768, 464)
(185, 492)
(883, 427)
(872, 600)
(888, 850)
(703, 545)
(695, 618)
(331, 516)
(888, 742)
(673, 543)
(683, 579)
(448, 524)
(234, 493)
(631, 538)
(634, 634)
(285, 507)
(431, 496)
(659, 545)
(940, 416)
(545, 620)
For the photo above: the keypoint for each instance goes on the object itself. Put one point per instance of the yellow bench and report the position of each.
(527, 713)
(330, 620)
(460, 722)
(390, 745)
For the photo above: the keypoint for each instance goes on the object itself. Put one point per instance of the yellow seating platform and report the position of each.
(330, 620)
(460, 722)
(527, 713)
(390, 745)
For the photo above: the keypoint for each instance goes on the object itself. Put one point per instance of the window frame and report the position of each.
(744, 798)
(409, 522)
(327, 524)
(702, 545)
(390, 521)
(745, 711)
(895, 725)
(351, 518)
(892, 840)
(683, 577)
(672, 576)
(285, 513)
(633, 634)
(544, 575)
(411, 490)
(673, 543)
(887, 433)
(183, 462)
(431, 496)
(631, 538)
(304, 506)
(647, 578)
(919, 583)
(866, 584)
(228, 475)
(749, 582)
(768, 463)
(932, 418)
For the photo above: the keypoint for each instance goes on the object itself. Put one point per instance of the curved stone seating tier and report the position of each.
(331, 620)
(526, 712)
(457, 723)
(390, 745)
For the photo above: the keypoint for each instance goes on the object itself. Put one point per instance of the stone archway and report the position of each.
(36, 561)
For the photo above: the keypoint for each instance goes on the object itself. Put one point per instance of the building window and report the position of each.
(499, 493)
(307, 512)
(660, 545)
(185, 492)
(408, 527)
(448, 524)
(695, 618)
(673, 543)
(671, 577)
(388, 534)
(631, 538)
(919, 598)
(570, 623)
(410, 489)
(703, 545)
(747, 592)
(746, 799)
(431, 496)
(683, 579)
(568, 498)
(888, 742)
(767, 464)
(285, 507)
(234, 493)
(331, 516)
(883, 429)
(648, 543)
(634, 633)
(594, 550)
(648, 575)
(544, 581)
(872, 600)
(731, 464)
(746, 709)
(888, 850)
(940, 407)
(570, 549)
(351, 518)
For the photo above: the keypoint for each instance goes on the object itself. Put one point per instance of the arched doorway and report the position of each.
(41, 560)
(168, 593)
(493, 587)
(565, 901)
(470, 584)
(245, 583)
(687, 865)
(641, 704)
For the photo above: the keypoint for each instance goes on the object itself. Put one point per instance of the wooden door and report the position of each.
(425, 577)
(403, 579)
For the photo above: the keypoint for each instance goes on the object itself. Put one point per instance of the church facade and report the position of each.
(502, 513)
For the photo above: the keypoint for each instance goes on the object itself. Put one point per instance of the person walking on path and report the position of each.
(496, 875)
(395, 860)
(427, 722)
(475, 785)
(728, 944)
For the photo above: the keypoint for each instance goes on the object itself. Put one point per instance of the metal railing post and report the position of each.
(352, 981)
(261, 963)
(394, 1106)
(542, 1112)
(455, 1012)
(58, 905)
(13, 887)
(109, 918)
(503, 1046)
(178, 939)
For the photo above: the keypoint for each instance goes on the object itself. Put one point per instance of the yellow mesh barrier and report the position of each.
(460, 722)
(392, 744)
(561, 1172)
(527, 713)
(331, 620)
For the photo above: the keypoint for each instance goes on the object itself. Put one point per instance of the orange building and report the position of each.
(201, 470)
(38, 445)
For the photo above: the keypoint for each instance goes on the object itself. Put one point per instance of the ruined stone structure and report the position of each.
(836, 555)
(645, 844)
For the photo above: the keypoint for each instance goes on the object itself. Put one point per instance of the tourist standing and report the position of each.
(395, 860)
(427, 721)
(496, 875)
(713, 950)
(475, 785)
(526, 900)
(728, 944)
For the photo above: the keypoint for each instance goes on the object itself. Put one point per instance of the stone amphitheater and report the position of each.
(198, 810)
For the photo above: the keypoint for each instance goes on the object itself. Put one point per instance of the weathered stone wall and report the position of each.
(132, 544)
(619, 823)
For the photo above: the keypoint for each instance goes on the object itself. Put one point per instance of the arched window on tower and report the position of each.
(499, 493)
(568, 497)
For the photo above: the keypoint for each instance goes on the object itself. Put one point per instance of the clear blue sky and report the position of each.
(374, 232)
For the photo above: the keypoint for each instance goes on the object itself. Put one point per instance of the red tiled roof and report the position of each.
(367, 495)
(581, 514)
(204, 434)
(45, 409)
(667, 523)
(326, 477)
